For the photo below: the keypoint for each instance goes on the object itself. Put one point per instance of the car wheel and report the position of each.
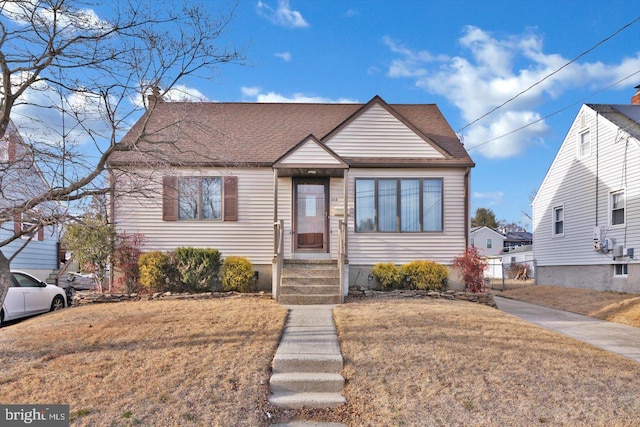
(58, 303)
(1, 318)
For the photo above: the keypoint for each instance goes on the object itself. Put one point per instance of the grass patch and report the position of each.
(150, 362)
(616, 307)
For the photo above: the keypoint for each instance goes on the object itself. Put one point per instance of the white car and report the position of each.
(28, 296)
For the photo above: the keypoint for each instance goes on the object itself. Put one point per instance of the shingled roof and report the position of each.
(258, 134)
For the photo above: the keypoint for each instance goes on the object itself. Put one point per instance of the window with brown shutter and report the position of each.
(230, 198)
(200, 198)
(169, 198)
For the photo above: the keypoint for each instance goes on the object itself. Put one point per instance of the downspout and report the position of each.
(112, 215)
(275, 195)
(597, 166)
(466, 208)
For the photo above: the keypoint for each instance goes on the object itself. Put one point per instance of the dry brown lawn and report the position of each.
(150, 363)
(434, 362)
(413, 362)
(612, 306)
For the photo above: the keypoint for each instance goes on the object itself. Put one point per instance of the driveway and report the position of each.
(616, 338)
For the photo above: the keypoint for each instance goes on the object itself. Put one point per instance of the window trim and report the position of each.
(398, 180)
(624, 208)
(624, 273)
(581, 134)
(228, 198)
(554, 222)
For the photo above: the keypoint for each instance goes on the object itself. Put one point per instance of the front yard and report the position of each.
(407, 362)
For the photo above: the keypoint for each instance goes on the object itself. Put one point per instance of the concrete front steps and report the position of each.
(307, 364)
(310, 282)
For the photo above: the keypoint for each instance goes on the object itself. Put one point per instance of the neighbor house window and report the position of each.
(620, 270)
(473, 242)
(558, 221)
(584, 148)
(399, 205)
(489, 243)
(617, 207)
(199, 198)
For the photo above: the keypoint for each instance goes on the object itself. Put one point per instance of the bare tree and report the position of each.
(73, 79)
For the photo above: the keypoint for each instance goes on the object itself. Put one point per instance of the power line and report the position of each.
(580, 101)
(553, 73)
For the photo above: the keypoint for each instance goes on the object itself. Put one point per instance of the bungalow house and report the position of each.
(296, 188)
(20, 180)
(586, 214)
(489, 242)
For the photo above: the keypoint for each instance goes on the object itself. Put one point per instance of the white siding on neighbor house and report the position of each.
(250, 236)
(310, 153)
(41, 256)
(377, 133)
(399, 248)
(480, 237)
(582, 186)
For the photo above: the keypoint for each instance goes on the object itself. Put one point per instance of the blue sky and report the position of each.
(467, 57)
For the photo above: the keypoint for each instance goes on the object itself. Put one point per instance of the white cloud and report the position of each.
(257, 96)
(350, 13)
(67, 20)
(252, 92)
(285, 56)
(494, 70)
(283, 15)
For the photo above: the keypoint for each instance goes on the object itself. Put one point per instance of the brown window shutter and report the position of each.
(17, 225)
(169, 198)
(230, 207)
(40, 234)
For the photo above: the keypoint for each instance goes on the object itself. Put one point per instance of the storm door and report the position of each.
(310, 211)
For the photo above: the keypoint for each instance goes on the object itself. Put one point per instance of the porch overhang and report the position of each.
(310, 170)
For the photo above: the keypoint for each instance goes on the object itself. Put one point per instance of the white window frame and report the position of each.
(624, 208)
(624, 270)
(581, 135)
(489, 243)
(554, 222)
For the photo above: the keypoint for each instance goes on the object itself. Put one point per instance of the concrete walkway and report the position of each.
(307, 364)
(616, 338)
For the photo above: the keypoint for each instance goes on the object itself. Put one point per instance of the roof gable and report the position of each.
(376, 131)
(200, 134)
(310, 151)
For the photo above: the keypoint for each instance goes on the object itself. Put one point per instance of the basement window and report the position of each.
(620, 270)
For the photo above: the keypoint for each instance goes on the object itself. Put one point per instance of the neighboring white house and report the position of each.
(20, 180)
(586, 214)
(489, 242)
(355, 184)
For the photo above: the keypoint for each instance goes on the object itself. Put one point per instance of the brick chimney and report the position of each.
(635, 99)
(154, 97)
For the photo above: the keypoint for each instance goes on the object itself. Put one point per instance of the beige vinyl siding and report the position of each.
(250, 236)
(310, 153)
(442, 247)
(377, 133)
(571, 183)
(285, 212)
(336, 200)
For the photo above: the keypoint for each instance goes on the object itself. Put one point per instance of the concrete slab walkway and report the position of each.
(616, 338)
(307, 364)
